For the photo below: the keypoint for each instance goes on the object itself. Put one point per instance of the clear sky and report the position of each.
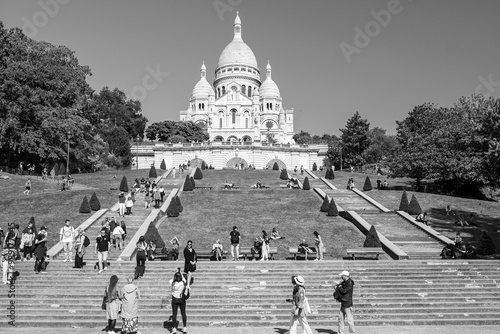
(426, 51)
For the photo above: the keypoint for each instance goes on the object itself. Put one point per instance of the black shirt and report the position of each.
(102, 243)
(235, 237)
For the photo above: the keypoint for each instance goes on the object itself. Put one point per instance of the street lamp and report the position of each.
(67, 159)
(137, 152)
(341, 148)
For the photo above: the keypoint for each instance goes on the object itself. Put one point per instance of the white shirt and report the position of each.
(67, 233)
(118, 230)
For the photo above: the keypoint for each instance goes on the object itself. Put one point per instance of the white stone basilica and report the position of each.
(239, 107)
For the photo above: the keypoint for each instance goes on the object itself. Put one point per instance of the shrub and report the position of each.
(179, 205)
(329, 174)
(203, 165)
(275, 166)
(188, 186)
(56, 168)
(332, 209)
(124, 184)
(372, 239)
(192, 182)
(163, 166)
(305, 185)
(62, 168)
(414, 208)
(486, 246)
(85, 207)
(173, 208)
(153, 235)
(404, 205)
(197, 174)
(94, 202)
(325, 205)
(284, 174)
(152, 172)
(368, 184)
(315, 167)
(332, 175)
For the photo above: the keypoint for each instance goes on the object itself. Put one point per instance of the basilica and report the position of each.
(238, 106)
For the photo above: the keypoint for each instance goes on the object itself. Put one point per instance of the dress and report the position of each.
(189, 256)
(113, 303)
(130, 308)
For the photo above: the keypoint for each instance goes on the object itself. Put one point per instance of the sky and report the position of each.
(330, 58)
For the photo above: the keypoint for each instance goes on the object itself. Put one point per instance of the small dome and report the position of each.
(202, 89)
(269, 89)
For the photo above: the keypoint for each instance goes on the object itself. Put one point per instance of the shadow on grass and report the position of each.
(328, 331)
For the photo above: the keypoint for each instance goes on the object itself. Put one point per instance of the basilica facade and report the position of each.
(238, 107)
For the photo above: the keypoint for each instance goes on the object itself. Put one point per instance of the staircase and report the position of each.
(252, 294)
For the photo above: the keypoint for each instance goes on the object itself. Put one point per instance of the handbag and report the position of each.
(103, 306)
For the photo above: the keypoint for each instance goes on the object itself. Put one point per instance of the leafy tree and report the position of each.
(153, 235)
(486, 246)
(118, 143)
(124, 184)
(188, 186)
(163, 166)
(368, 184)
(85, 206)
(305, 185)
(302, 138)
(332, 209)
(152, 172)
(165, 131)
(414, 207)
(94, 203)
(179, 205)
(283, 174)
(372, 239)
(275, 166)
(175, 139)
(173, 209)
(315, 167)
(197, 174)
(381, 146)
(404, 205)
(355, 140)
(325, 205)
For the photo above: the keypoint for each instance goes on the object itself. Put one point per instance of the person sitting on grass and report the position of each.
(275, 235)
(305, 249)
(422, 217)
(256, 249)
(461, 221)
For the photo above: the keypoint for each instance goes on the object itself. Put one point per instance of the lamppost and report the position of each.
(341, 148)
(137, 152)
(67, 159)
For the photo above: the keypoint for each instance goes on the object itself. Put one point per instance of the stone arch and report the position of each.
(218, 138)
(232, 138)
(201, 124)
(271, 162)
(236, 161)
(196, 162)
(246, 139)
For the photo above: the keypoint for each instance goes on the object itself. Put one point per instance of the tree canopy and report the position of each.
(172, 131)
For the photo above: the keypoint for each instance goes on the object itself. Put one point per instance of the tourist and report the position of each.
(162, 193)
(143, 185)
(151, 250)
(28, 238)
(14, 230)
(378, 183)
(304, 248)
(80, 248)
(295, 170)
(156, 197)
(422, 217)
(8, 261)
(458, 240)
(147, 201)
(174, 252)
(275, 234)
(385, 185)
(302, 170)
(118, 233)
(448, 210)
(265, 246)
(40, 250)
(190, 260)
(27, 186)
(121, 201)
(44, 173)
(179, 291)
(235, 243)
(256, 250)
(345, 290)
(112, 296)
(300, 307)
(66, 237)
(319, 246)
(102, 245)
(129, 203)
(217, 250)
(124, 228)
(140, 258)
(130, 307)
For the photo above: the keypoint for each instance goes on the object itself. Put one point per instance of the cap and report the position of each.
(299, 280)
(344, 273)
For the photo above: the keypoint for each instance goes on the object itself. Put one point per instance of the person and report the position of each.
(157, 198)
(40, 250)
(44, 173)
(8, 261)
(179, 290)
(256, 250)
(265, 246)
(124, 228)
(121, 202)
(113, 295)
(319, 246)
(217, 250)
(275, 235)
(28, 237)
(53, 174)
(345, 290)
(129, 203)
(302, 170)
(422, 217)
(448, 210)
(130, 307)
(102, 246)
(162, 193)
(147, 201)
(27, 186)
(141, 257)
(235, 243)
(385, 185)
(190, 260)
(295, 170)
(66, 236)
(21, 168)
(151, 250)
(304, 248)
(300, 306)
(79, 248)
(174, 252)
(173, 172)
(378, 183)
(118, 233)
(458, 240)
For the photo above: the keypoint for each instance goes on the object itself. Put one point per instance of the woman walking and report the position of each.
(179, 290)
(265, 246)
(28, 238)
(300, 307)
(319, 246)
(141, 257)
(112, 295)
(130, 307)
(79, 248)
(190, 260)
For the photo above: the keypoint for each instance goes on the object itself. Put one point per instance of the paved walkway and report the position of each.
(281, 330)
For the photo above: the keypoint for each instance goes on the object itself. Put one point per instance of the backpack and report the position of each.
(86, 242)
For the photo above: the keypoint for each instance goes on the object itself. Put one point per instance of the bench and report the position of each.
(365, 251)
(229, 187)
(204, 187)
(246, 251)
(206, 254)
(294, 251)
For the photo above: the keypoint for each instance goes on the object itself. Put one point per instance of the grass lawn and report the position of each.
(210, 214)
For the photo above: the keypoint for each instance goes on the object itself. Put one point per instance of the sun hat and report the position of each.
(344, 273)
(299, 280)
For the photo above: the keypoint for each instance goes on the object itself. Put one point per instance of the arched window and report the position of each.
(218, 92)
(220, 123)
(249, 91)
(223, 90)
(246, 123)
(233, 116)
(244, 90)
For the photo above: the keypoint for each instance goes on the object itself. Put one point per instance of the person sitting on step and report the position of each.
(422, 217)
(256, 249)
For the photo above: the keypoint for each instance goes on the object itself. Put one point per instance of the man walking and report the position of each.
(344, 296)
(235, 243)
(102, 245)
(300, 307)
(66, 236)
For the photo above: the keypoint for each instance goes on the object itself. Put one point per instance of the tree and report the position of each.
(332, 209)
(302, 138)
(152, 172)
(163, 166)
(414, 208)
(183, 132)
(283, 174)
(118, 144)
(315, 167)
(173, 209)
(372, 239)
(305, 185)
(188, 186)
(85, 206)
(325, 205)
(179, 205)
(276, 166)
(94, 203)
(153, 235)
(486, 246)
(380, 147)
(124, 184)
(197, 174)
(355, 140)
(368, 184)
(404, 205)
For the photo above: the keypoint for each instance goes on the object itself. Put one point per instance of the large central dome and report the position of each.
(237, 52)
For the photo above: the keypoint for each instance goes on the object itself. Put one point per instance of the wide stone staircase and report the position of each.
(252, 294)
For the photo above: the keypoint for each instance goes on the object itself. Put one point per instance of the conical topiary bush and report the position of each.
(284, 174)
(305, 185)
(163, 166)
(192, 182)
(203, 165)
(325, 205)
(173, 209)
(188, 186)
(197, 174)
(124, 184)
(94, 203)
(329, 174)
(85, 207)
(332, 209)
(414, 207)
(56, 168)
(368, 184)
(404, 205)
(153, 235)
(372, 239)
(152, 172)
(276, 166)
(179, 205)
(332, 174)
(485, 246)
(315, 167)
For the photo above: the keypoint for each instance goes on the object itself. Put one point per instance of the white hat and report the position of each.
(299, 280)
(344, 273)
